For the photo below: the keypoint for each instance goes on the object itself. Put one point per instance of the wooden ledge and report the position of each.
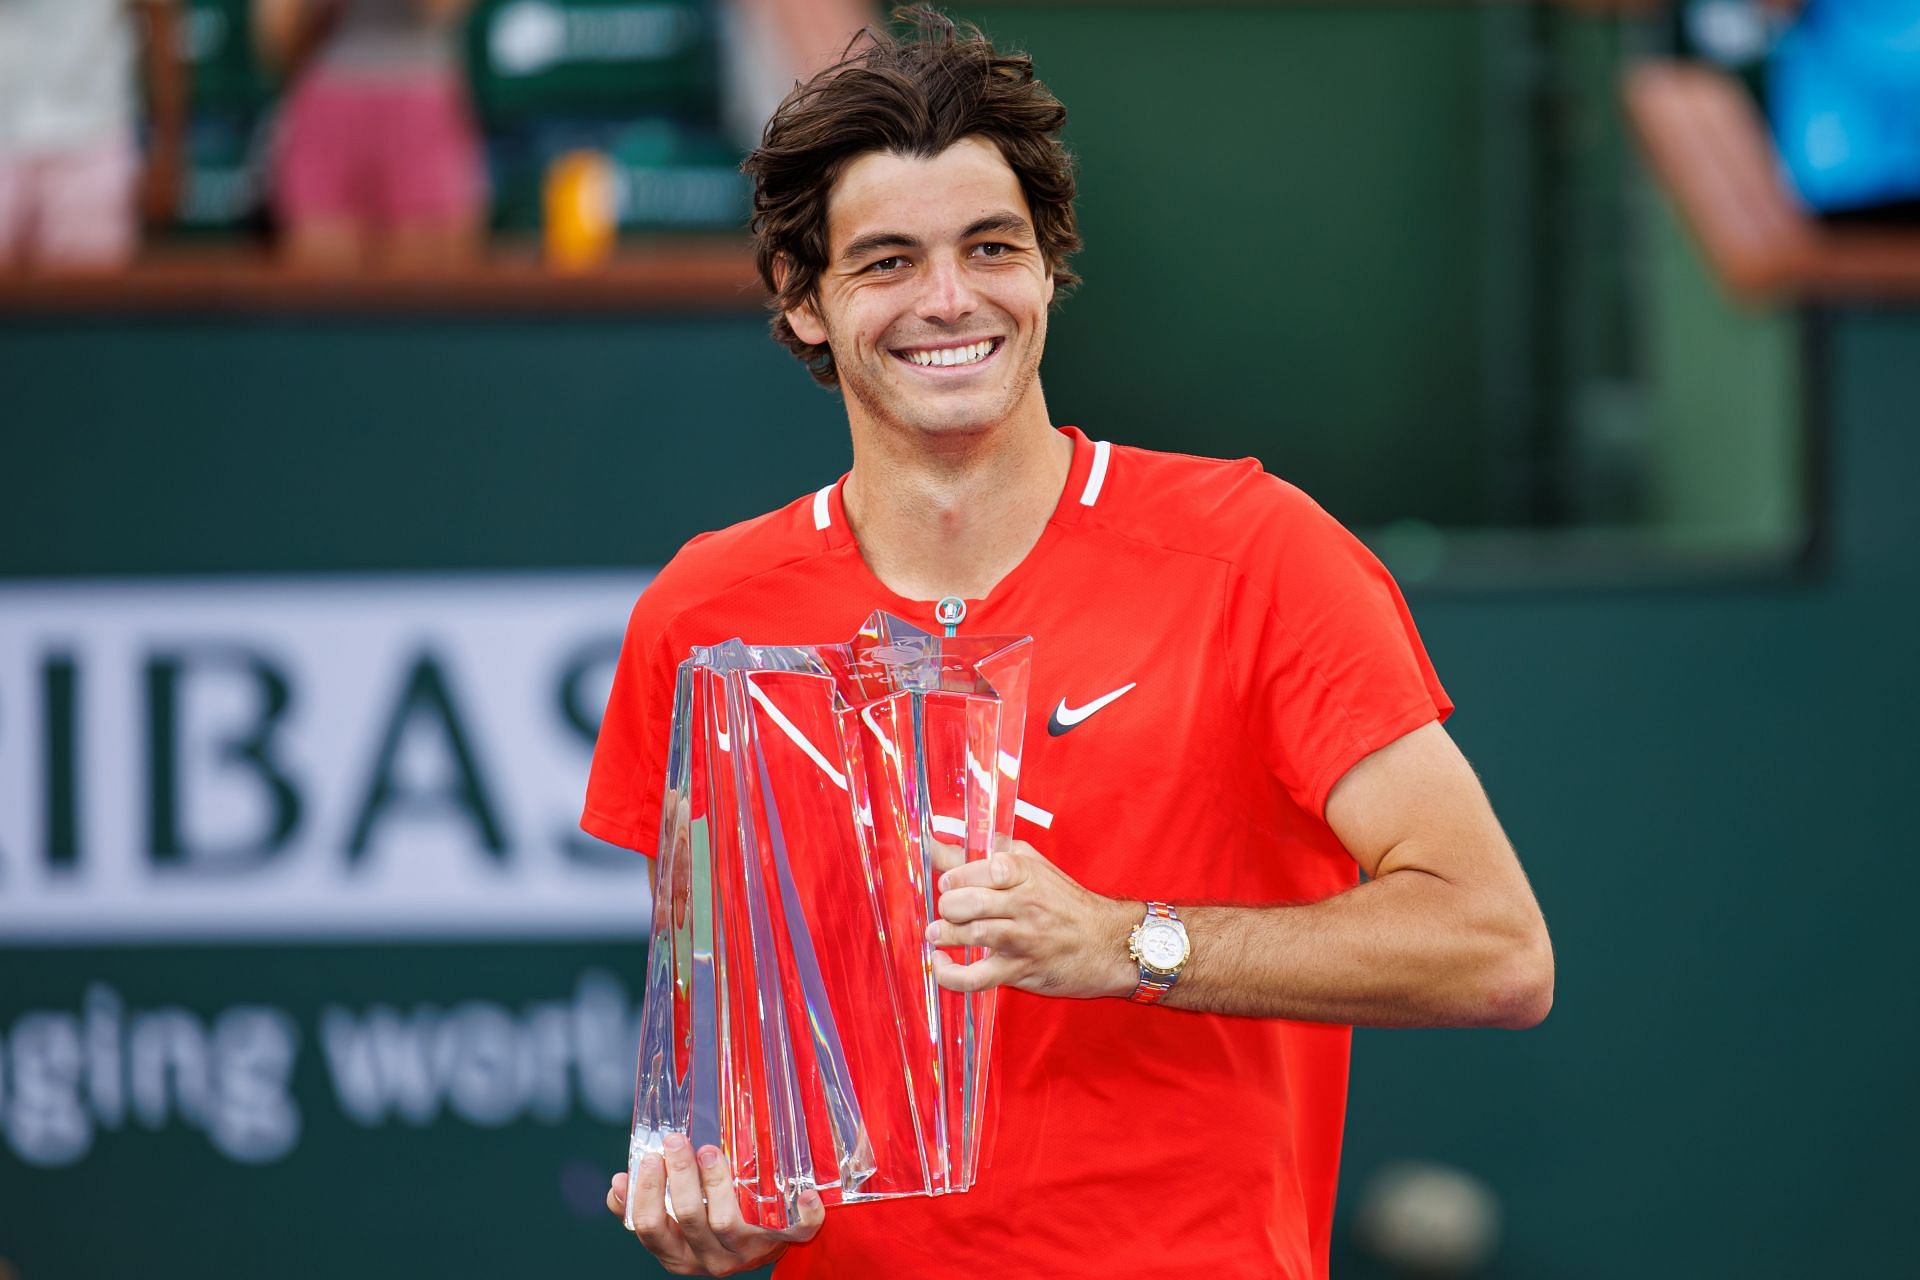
(710, 274)
(1709, 149)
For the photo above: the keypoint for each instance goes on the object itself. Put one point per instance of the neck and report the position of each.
(952, 515)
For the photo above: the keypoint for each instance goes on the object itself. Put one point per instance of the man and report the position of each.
(1237, 710)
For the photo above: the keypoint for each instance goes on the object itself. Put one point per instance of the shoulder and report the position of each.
(1231, 510)
(713, 564)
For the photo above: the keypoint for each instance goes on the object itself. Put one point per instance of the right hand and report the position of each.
(708, 1239)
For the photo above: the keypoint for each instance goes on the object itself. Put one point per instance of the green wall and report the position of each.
(1284, 222)
(1709, 788)
(243, 443)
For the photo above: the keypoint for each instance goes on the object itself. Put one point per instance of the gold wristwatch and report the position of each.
(1159, 946)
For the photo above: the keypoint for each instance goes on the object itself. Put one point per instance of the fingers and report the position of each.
(1005, 868)
(978, 898)
(729, 1230)
(706, 1234)
(740, 1237)
(984, 933)
(947, 857)
(981, 975)
(688, 1195)
(996, 871)
(813, 1212)
(647, 1210)
(964, 906)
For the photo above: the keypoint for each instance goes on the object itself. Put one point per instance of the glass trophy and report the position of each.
(814, 794)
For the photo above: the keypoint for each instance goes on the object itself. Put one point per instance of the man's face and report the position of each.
(934, 298)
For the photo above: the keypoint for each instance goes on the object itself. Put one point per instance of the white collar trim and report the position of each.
(1098, 476)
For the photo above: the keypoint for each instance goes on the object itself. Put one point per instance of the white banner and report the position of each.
(278, 758)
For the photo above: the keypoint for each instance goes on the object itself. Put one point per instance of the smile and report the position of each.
(969, 353)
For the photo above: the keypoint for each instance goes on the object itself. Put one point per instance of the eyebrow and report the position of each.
(861, 246)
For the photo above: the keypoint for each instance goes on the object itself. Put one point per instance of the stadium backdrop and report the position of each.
(305, 619)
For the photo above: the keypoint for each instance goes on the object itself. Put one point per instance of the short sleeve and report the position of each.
(1328, 664)
(628, 774)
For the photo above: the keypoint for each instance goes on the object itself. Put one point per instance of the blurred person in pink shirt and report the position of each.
(377, 161)
(72, 183)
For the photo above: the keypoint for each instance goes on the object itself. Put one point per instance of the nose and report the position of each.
(948, 296)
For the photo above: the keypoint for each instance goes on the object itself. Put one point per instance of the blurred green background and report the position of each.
(1661, 546)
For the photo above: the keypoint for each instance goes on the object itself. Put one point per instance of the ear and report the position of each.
(806, 324)
(1049, 286)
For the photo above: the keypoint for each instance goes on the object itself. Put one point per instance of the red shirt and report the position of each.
(1263, 652)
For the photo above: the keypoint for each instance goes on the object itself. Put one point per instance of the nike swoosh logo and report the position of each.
(1065, 717)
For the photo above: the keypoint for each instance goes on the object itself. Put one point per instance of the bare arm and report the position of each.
(164, 73)
(287, 33)
(1444, 933)
(444, 12)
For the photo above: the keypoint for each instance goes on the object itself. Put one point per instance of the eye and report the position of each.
(885, 265)
(994, 250)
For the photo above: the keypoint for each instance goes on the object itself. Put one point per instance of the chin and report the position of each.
(953, 417)
(952, 426)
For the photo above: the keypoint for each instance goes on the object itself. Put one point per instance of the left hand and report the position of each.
(708, 1237)
(1046, 934)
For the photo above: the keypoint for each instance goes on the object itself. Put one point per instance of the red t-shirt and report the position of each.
(1263, 652)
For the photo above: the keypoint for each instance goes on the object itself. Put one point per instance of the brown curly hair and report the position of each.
(911, 97)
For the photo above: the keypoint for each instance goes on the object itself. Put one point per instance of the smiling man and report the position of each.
(1240, 719)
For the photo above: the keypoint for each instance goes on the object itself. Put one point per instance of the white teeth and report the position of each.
(952, 355)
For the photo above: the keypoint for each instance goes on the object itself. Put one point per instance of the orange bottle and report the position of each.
(579, 210)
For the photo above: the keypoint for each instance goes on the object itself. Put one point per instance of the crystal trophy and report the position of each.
(814, 794)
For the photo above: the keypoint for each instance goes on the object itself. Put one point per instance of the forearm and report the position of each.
(165, 72)
(444, 11)
(1407, 949)
(1445, 932)
(287, 33)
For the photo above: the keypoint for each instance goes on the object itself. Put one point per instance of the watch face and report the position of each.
(1162, 947)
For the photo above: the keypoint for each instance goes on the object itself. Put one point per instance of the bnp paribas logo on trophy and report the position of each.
(530, 37)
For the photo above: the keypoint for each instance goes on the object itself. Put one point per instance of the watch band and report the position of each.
(1153, 987)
